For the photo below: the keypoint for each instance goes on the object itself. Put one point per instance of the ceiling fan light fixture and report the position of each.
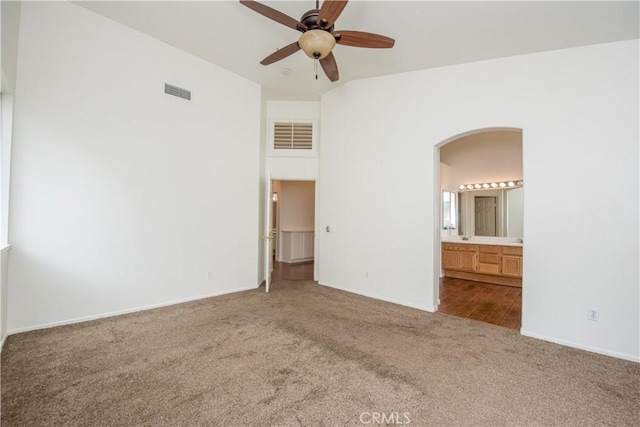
(317, 44)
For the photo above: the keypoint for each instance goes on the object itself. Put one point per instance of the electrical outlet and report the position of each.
(209, 275)
(593, 314)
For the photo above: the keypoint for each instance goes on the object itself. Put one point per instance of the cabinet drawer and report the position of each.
(459, 247)
(512, 250)
(489, 268)
(486, 249)
(489, 258)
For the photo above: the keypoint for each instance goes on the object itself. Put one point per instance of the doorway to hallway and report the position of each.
(293, 226)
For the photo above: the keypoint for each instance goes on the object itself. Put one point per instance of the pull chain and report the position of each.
(315, 68)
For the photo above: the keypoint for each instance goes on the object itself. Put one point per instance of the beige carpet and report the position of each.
(306, 355)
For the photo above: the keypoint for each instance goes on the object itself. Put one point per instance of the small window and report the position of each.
(292, 136)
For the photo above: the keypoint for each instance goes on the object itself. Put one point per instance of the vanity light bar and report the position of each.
(490, 185)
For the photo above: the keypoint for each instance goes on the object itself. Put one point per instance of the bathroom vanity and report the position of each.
(483, 259)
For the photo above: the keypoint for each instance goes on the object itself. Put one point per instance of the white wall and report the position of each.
(9, 30)
(4, 280)
(120, 193)
(445, 178)
(6, 137)
(578, 109)
(6, 141)
(296, 202)
(484, 157)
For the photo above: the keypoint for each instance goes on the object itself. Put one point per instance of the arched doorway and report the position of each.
(480, 226)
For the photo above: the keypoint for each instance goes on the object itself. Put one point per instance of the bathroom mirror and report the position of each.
(491, 213)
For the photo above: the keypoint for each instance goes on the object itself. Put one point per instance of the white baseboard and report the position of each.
(378, 297)
(120, 312)
(581, 347)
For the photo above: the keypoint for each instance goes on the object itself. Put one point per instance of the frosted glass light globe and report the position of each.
(317, 44)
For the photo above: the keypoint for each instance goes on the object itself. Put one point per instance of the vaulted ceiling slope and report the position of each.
(427, 33)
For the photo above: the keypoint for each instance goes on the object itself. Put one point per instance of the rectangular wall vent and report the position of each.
(293, 136)
(177, 91)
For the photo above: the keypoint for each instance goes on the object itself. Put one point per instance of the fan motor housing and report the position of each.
(310, 20)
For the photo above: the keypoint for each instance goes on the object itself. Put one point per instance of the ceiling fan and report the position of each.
(318, 35)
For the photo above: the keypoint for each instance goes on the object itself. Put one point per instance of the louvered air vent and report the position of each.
(293, 136)
(177, 91)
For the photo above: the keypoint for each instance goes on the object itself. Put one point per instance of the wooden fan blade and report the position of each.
(275, 15)
(329, 12)
(281, 53)
(330, 67)
(362, 39)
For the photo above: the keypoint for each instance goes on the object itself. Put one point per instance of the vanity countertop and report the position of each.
(481, 240)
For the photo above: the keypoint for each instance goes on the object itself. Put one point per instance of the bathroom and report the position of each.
(482, 227)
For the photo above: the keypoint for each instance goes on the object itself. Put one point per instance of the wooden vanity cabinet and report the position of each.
(459, 257)
(484, 263)
(512, 261)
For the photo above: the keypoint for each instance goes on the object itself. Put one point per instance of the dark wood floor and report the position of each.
(495, 304)
(300, 271)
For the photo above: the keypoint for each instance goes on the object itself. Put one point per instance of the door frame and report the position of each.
(267, 237)
(269, 178)
(437, 208)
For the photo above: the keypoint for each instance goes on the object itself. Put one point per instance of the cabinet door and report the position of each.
(307, 246)
(511, 265)
(468, 261)
(450, 260)
(296, 246)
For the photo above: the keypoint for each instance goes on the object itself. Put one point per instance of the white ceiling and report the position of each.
(427, 33)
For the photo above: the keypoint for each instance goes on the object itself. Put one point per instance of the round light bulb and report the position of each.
(494, 185)
(485, 185)
(461, 187)
(502, 184)
(469, 187)
(511, 184)
(316, 44)
(478, 186)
